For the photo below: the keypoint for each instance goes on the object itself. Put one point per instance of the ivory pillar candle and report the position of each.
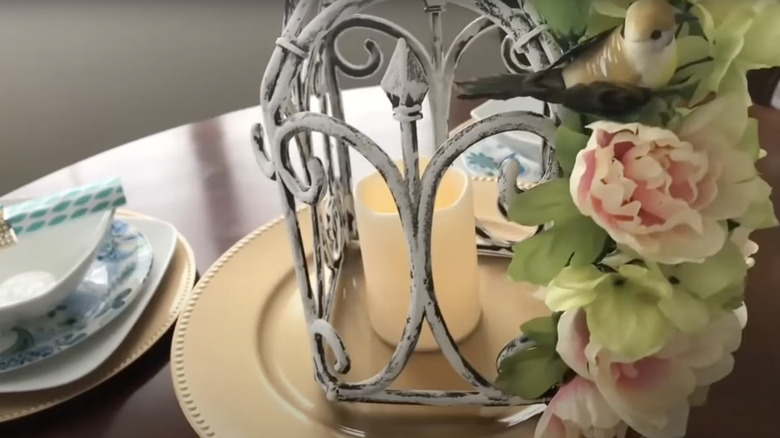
(386, 258)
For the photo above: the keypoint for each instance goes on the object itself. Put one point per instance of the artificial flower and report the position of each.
(653, 394)
(633, 311)
(664, 194)
(563, 18)
(741, 35)
(606, 14)
(578, 409)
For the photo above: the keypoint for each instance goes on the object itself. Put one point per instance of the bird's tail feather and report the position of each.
(545, 85)
(548, 86)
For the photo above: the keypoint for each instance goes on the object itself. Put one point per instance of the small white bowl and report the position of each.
(524, 144)
(42, 268)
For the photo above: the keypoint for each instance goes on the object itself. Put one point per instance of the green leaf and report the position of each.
(588, 241)
(540, 258)
(730, 298)
(760, 41)
(543, 331)
(611, 8)
(543, 203)
(568, 143)
(598, 23)
(653, 112)
(691, 49)
(571, 119)
(734, 83)
(691, 52)
(531, 373)
(709, 278)
(564, 17)
(706, 21)
(760, 214)
(749, 143)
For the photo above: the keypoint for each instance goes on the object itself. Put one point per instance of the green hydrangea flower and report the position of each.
(719, 281)
(742, 36)
(622, 309)
(606, 14)
(633, 309)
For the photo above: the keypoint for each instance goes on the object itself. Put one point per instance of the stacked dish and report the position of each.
(484, 158)
(72, 292)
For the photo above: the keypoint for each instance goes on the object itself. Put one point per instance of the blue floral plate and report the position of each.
(114, 280)
(485, 158)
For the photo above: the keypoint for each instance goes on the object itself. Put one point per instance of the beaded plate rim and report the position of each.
(181, 387)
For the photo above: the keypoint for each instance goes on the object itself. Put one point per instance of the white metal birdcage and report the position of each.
(305, 68)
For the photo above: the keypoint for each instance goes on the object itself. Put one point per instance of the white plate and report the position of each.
(485, 158)
(523, 143)
(80, 360)
(113, 281)
(44, 267)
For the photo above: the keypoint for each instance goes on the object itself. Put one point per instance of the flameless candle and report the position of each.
(386, 258)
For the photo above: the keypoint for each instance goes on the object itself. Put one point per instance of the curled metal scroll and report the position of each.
(260, 153)
(440, 162)
(360, 70)
(374, 62)
(390, 173)
(325, 331)
(512, 59)
(302, 67)
(473, 31)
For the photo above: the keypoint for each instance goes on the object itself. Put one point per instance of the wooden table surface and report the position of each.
(203, 179)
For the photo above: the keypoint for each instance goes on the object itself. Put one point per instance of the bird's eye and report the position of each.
(656, 35)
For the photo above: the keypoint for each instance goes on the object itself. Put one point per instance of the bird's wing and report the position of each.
(582, 48)
(604, 98)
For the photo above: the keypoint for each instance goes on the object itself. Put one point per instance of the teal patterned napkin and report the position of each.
(48, 211)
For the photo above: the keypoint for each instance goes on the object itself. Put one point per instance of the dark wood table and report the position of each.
(203, 179)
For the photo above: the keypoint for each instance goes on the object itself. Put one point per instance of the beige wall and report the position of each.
(80, 77)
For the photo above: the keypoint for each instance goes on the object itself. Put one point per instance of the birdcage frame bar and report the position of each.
(305, 68)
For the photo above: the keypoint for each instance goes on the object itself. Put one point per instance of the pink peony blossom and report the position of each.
(663, 194)
(579, 410)
(653, 395)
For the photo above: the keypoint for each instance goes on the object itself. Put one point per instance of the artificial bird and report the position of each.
(612, 73)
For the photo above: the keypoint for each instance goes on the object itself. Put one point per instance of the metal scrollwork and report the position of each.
(304, 69)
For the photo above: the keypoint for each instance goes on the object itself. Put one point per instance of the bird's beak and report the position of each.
(684, 17)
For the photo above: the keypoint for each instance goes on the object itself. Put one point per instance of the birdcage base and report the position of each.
(242, 362)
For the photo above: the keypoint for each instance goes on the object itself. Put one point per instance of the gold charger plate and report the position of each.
(241, 362)
(160, 314)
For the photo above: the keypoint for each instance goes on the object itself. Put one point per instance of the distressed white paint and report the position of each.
(305, 66)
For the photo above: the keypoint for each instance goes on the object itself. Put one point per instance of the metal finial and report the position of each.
(7, 235)
(405, 81)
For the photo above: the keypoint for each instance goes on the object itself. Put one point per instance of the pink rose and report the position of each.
(653, 395)
(667, 195)
(578, 409)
